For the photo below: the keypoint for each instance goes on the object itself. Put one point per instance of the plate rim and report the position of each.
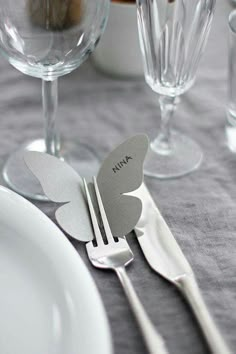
(61, 241)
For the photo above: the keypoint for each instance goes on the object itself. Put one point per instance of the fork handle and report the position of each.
(154, 342)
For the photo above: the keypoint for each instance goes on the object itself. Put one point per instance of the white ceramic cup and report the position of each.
(118, 52)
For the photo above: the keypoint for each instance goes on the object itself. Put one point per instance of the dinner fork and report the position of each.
(116, 254)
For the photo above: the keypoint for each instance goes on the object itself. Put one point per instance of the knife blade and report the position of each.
(164, 256)
(157, 241)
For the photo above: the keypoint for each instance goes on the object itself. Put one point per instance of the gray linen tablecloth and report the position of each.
(200, 208)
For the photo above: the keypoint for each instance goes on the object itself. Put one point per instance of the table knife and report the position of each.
(164, 256)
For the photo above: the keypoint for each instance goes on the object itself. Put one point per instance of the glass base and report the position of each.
(19, 178)
(184, 157)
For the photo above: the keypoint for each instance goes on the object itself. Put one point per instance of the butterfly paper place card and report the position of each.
(119, 176)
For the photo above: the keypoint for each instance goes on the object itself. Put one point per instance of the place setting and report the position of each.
(49, 299)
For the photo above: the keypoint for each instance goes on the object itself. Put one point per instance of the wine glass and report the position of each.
(173, 34)
(48, 39)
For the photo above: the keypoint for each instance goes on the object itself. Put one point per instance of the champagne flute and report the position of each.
(48, 39)
(173, 34)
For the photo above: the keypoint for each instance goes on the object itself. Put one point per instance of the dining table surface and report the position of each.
(200, 208)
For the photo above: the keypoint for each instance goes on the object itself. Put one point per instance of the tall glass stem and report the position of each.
(50, 105)
(163, 144)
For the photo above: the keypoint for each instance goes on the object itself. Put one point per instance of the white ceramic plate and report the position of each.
(48, 301)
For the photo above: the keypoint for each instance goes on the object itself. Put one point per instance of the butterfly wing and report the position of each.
(59, 181)
(61, 184)
(73, 218)
(122, 173)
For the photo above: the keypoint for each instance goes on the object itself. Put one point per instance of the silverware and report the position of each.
(164, 255)
(116, 255)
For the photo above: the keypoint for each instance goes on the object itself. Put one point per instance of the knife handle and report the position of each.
(189, 288)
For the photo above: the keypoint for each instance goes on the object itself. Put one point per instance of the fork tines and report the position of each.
(96, 228)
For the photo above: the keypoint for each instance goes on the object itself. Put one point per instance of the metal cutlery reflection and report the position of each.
(164, 255)
(116, 254)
